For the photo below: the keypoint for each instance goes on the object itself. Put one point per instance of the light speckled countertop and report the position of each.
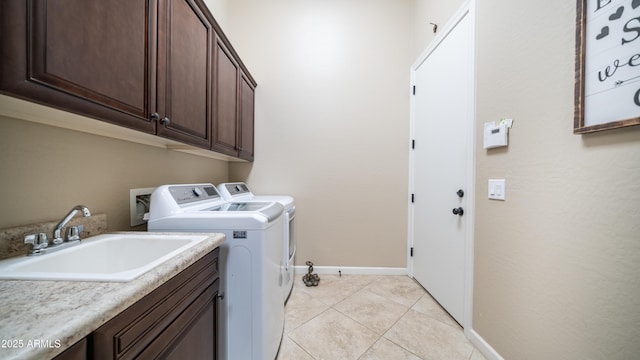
(40, 319)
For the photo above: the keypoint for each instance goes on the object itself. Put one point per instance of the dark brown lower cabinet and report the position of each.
(77, 351)
(175, 321)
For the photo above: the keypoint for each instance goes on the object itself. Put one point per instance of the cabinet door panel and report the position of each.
(89, 57)
(246, 119)
(196, 338)
(200, 341)
(226, 102)
(77, 351)
(186, 37)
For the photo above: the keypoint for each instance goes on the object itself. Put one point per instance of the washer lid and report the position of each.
(271, 210)
(239, 206)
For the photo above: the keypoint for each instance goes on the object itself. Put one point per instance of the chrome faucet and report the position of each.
(72, 234)
(40, 243)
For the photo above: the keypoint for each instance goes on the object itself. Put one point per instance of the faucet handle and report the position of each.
(37, 241)
(73, 232)
(57, 237)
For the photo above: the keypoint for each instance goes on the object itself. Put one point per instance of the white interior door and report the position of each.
(443, 122)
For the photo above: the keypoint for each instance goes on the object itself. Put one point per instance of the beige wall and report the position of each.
(220, 12)
(557, 263)
(47, 170)
(427, 12)
(332, 112)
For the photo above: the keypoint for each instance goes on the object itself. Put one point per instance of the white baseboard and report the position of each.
(351, 270)
(487, 350)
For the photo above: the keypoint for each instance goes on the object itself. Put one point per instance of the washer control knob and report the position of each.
(197, 192)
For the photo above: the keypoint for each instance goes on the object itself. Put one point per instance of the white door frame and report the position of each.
(467, 9)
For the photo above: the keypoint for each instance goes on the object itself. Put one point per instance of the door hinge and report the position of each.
(413, 144)
(413, 198)
(414, 89)
(411, 252)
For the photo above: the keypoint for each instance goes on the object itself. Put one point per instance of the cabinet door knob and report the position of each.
(155, 116)
(165, 121)
(458, 211)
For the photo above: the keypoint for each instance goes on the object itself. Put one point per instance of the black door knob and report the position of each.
(458, 211)
(460, 193)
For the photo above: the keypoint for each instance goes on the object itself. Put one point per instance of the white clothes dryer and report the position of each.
(250, 308)
(239, 191)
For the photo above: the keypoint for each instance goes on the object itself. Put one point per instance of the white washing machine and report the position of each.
(250, 308)
(239, 191)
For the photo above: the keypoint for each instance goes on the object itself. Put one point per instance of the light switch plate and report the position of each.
(497, 189)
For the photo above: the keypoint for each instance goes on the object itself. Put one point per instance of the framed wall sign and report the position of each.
(607, 78)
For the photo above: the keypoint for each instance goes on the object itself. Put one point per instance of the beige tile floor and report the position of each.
(369, 317)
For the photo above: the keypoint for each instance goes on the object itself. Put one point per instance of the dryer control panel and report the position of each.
(237, 188)
(192, 193)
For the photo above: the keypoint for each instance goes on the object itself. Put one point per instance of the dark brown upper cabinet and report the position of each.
(88, 57)
(184, 72)
(247, 105)
(225, 121)
(159, 66)
(234, 106)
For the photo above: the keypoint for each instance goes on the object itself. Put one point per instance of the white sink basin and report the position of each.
(109, 257)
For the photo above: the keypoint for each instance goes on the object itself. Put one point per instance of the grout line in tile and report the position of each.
(315, 316)
(369, 348)
(394, 324)
(402, 347)
(379, 337)
(456, 325)
(300, 346)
